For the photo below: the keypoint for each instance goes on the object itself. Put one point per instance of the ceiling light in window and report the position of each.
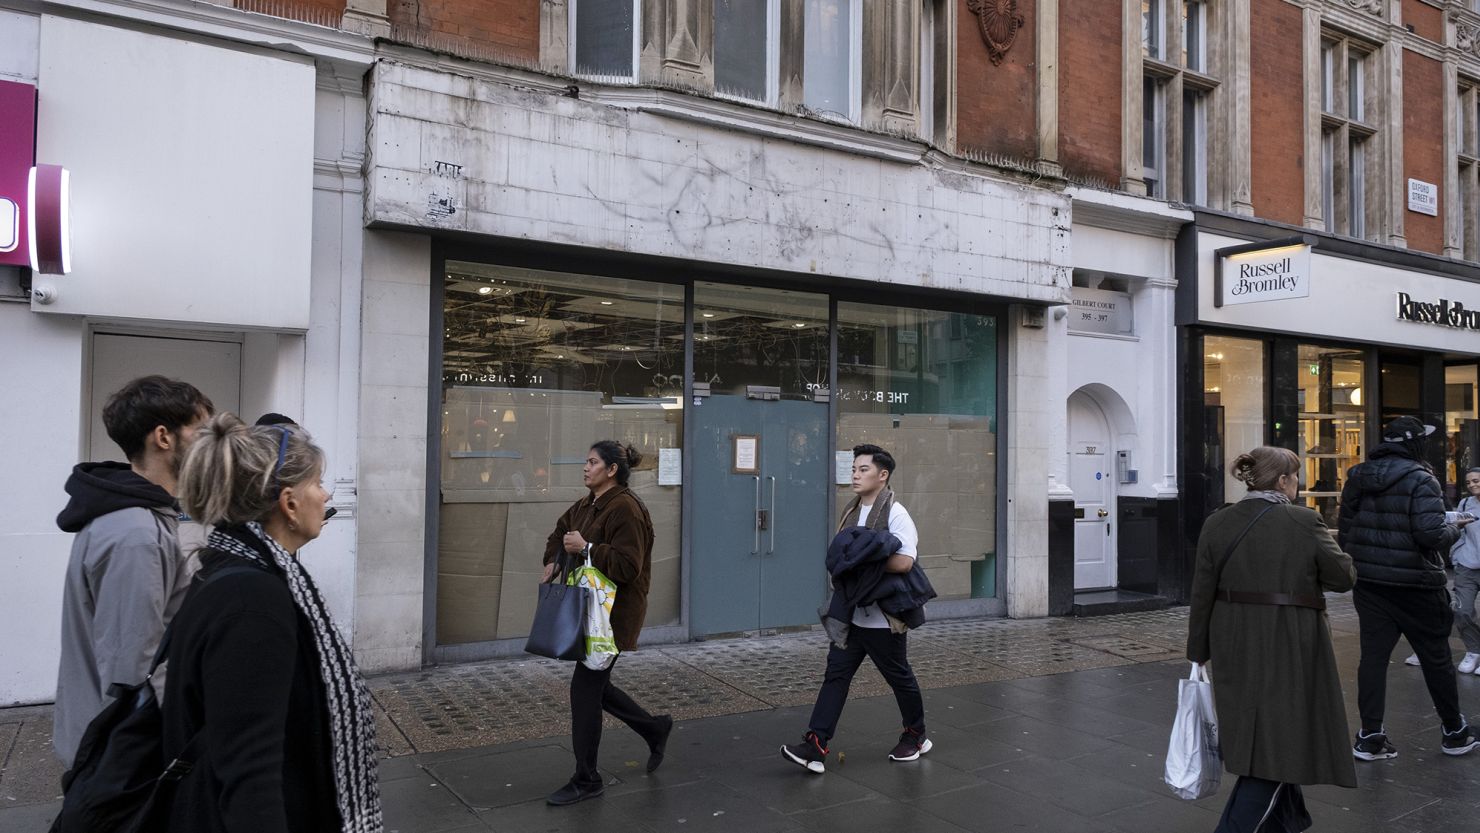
(799, 326)
(707, 314)
(606, 303)
(485, 290)
(518, 320)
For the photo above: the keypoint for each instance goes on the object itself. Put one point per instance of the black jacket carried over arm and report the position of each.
(244, 672)
(1392, 521)
(857, 559)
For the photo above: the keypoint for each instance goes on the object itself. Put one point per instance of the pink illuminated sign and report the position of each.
(17, 155)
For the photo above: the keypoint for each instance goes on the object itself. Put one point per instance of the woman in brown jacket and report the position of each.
(1259, 615)
(612, 526)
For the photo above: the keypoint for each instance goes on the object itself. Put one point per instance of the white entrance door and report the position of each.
(1091, 478)
(215, 367)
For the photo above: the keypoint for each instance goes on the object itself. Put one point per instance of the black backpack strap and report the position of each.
(163, 652)
(1218, 569)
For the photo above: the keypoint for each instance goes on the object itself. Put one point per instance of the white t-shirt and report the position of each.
(901, 526)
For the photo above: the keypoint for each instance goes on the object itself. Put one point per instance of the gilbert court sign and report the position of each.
(1246, 275)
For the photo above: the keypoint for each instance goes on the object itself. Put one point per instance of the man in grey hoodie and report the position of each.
(127, 575)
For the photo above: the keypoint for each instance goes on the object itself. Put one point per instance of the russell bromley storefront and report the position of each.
(1312, 342)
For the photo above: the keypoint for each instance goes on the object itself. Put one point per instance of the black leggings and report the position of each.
(1257, 805)
(591, 693)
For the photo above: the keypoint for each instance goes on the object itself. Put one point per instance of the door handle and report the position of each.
(1104, 513)
(756, 548)
(772, 548)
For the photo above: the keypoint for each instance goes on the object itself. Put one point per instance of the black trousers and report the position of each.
(1424, 617)
(1257, 805)
(591, 693)
(889, 651)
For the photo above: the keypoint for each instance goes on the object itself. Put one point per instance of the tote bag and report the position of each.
(1194, 761)
(559, 627)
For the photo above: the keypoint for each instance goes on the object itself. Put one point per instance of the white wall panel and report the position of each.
(192, 176)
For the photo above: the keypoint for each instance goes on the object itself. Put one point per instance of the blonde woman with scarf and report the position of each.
(873, 520)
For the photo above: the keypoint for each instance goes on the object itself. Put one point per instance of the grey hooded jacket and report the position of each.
(124, 581)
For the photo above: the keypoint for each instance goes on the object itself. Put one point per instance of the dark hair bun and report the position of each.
(633, 455)
(1243, 468)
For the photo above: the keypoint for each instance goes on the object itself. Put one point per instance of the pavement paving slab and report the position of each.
(1043, 725)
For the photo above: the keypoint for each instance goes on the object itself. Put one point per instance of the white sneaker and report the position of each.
(1412, 660)
(1467, 665)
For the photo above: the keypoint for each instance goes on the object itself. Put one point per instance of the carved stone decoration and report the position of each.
(1466, 35)
(999, 22)
(1370, 6)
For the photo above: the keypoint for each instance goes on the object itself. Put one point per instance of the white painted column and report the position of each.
(391, 553)
(1031, 404)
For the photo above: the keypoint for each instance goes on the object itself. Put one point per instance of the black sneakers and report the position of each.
(1375, 747)
(810, 753)
(1459, 742)
(910, 747)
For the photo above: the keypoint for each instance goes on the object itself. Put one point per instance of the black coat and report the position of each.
(1392, 521)
(244, 673)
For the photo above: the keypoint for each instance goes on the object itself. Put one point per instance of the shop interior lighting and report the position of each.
(485, 290)
(606, 303)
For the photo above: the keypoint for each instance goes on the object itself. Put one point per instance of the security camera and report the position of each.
(44, 295)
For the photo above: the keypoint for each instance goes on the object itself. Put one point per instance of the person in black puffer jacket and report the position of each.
(1392, 525)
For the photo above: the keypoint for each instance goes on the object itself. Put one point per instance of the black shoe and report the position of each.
(1375, 747)
(655, 750)
(1460, 742)
(810, 753)
(910, 747)
(572, 793)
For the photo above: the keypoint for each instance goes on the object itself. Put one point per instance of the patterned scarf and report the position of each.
(351, 719)
(1271, 495)
(878, 515)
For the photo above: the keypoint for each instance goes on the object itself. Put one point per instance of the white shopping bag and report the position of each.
(1194, 761)
(601, 594)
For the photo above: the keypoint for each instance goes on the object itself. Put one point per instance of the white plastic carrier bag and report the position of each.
(1194, 761)
(601, 594)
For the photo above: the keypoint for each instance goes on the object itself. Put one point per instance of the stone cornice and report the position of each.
(1122, 212)
(210, 20)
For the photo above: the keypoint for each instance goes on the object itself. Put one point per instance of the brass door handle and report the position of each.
(1104, 513)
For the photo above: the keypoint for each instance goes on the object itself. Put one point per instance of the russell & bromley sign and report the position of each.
(1444, 312)
(1268, 271)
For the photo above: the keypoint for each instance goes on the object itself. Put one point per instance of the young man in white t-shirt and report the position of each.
(870, 633)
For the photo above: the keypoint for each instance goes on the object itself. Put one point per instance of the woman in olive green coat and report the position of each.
(1262, 625)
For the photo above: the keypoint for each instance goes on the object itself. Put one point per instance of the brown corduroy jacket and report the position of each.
(620, 532)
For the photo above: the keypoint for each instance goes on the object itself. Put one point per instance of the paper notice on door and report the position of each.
(843, 468)
(746, 454)
(670, 467)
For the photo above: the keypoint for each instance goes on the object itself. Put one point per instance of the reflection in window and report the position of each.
(1233, 396)
(1332, 421)
(830, 70)
(743, 46)
(604, 38)
(923, 384)
(767, 337)
(1461, 426)
(536, 367)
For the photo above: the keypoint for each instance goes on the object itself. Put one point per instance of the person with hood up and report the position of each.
(126, 576)
(1392, 524)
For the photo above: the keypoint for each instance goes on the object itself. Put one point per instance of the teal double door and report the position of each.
(760, 514)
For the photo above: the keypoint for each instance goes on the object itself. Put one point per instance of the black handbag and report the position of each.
(119, 781)
(559, 627)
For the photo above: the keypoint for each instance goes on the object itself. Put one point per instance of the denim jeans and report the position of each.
(1466, 587)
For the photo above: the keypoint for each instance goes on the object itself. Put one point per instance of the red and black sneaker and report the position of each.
(911, 746)
(810, 753)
